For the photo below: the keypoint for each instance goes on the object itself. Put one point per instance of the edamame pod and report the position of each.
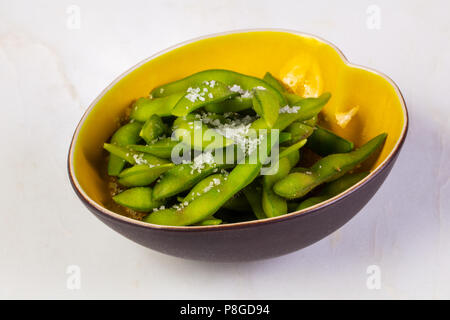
(329, 168)
(235, 104)
(180, 178)
(285, 137)
(241, 103)
(144, 108)
(266, 105)
(185, 129)
(333, 189)
(292, 98)
(201, 95)
(142, 174)
(299, 131)
(311, 122)
(204, 186)
(152, 128)
(236, 81)
(253, 193)
(133, 157)
(293, 156)
(277, 84)
(125, 135)
(308, 108)
(209, 222)
(324, 142)
(139, 199)
(161, 148)
(274, 205)
(270, 79)
(291, 149)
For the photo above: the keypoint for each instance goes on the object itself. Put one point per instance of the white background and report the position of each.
(49, 74)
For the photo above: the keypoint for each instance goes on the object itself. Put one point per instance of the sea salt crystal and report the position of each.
(194, 94)
(160, 208)
(211, 83)
(139, 159)
(247, 94)
(215, 182)
(288, 109)
(243, 93)
(199, 162)
(236, 88)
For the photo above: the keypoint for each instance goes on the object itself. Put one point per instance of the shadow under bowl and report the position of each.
(309, 65)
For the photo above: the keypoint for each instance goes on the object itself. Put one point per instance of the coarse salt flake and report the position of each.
(288, 109)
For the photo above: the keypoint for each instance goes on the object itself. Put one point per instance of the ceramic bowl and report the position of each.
(309, 65)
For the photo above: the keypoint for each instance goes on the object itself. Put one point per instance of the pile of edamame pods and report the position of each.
(175, 176)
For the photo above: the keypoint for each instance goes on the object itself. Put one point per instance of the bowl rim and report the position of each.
(238, 225)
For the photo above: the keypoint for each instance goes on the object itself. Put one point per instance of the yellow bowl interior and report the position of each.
(308, 65)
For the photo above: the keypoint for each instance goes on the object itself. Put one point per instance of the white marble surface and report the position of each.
(50, 72)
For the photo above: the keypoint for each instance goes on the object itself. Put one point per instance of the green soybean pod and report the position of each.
(292, 149)
(274, 205)
(198, 135)
(274, 82)
(253, 193)
(237, 81)
(161, 148)
(153, 128)
(235, 104)
(300, 169)
(125, 135)
(133, 157)
(285, 137)
(292, 98)
(266, 105)
(299, 131)
(324, 142)
(139, 199)
(144, 108)
(312, 122)
(277, 84)
(142, 174)
(204, 186)
(309, 107)
(180, 178)
(209, 222)
(293, 156)
(201, 95)
(333, 189)
(327, 169)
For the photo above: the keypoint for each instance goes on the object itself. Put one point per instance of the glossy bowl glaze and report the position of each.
(310, 66)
